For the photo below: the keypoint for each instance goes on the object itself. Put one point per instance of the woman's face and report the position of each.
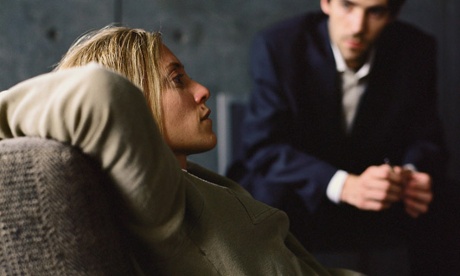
(187, 126)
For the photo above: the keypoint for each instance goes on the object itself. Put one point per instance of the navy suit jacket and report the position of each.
(294, 138)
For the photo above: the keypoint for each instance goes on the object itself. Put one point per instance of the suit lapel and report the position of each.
(326, 86)
(376, 100)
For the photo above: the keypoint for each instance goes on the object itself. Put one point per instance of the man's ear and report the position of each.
(325, 6)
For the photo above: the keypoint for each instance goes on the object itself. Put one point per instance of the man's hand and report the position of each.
(417, 194)
(377, 188)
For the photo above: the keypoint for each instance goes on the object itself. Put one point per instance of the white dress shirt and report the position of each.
(353, 87)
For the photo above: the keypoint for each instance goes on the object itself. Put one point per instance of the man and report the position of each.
(342, 132)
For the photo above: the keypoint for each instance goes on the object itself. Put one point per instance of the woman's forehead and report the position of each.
(169, 60)
(167, 56)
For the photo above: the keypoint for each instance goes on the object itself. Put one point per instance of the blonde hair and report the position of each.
(134, 53)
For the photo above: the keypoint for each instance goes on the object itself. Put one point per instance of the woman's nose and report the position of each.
(201, 93)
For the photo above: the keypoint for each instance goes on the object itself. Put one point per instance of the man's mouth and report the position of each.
(355, 44)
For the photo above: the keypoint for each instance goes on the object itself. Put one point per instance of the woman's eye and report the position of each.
(178, 79)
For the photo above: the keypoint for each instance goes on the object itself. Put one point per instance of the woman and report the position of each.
(190, 221)
(145, 61)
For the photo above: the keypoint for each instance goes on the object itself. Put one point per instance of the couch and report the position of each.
(59, 215)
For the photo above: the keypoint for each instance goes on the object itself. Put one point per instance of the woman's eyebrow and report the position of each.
(174, 66)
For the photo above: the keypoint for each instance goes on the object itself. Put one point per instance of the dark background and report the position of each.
(211, 37)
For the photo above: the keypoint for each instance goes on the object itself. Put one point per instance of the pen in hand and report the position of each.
(387, 161)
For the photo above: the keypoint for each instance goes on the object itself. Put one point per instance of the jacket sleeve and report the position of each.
(274, 165)
(105, 116)
(427, 152)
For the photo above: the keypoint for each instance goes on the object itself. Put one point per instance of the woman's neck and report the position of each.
(182, 159)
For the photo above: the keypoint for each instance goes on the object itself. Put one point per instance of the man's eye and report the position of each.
(346, 4)
(378, 12)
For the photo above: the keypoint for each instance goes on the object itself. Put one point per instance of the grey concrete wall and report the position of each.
(34, 34)
(211, 37)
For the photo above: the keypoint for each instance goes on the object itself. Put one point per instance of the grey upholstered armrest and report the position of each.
(57, 216)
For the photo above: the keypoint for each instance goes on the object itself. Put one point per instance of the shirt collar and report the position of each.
(341, 66)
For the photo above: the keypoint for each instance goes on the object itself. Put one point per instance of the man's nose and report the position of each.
(358, 21)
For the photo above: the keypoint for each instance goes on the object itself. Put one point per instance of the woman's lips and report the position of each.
(206, 115)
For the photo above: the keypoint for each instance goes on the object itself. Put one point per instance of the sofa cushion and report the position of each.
(59, 215)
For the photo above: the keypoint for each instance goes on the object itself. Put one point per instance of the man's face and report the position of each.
(354, 26)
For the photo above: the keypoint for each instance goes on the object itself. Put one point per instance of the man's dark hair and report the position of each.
(394, 6)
